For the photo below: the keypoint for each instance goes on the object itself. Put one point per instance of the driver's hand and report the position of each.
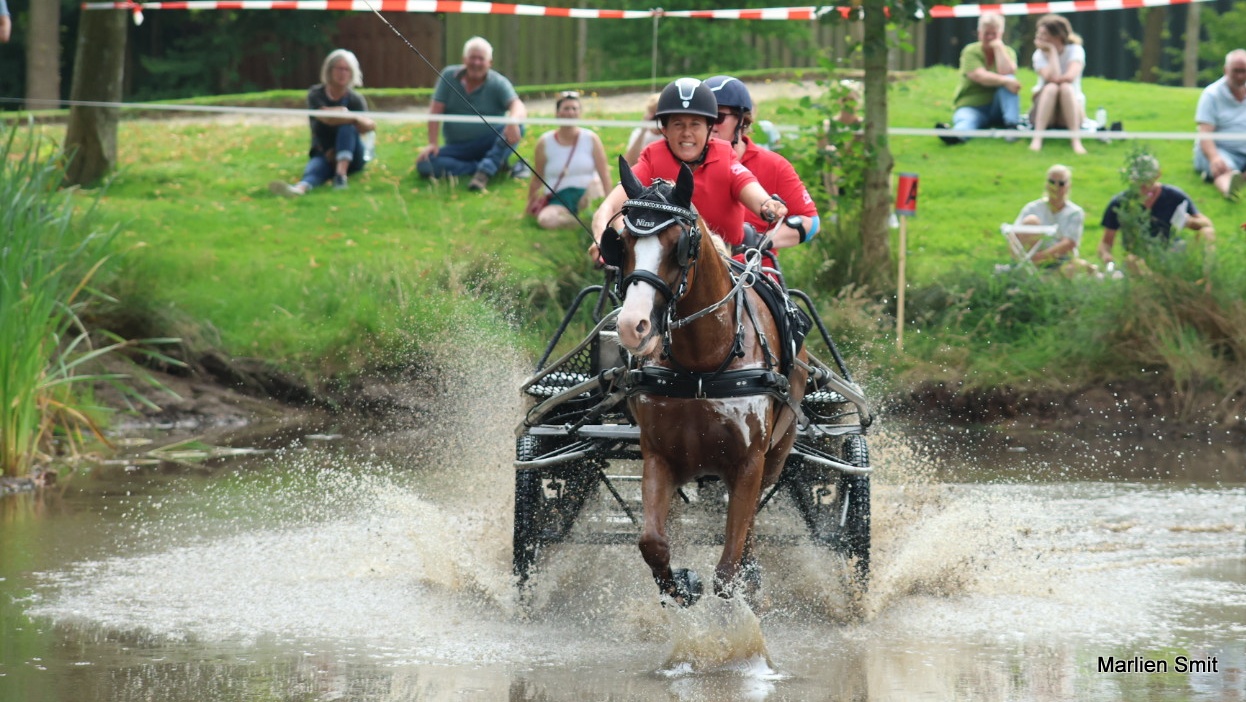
(594, 254)
(773, 210)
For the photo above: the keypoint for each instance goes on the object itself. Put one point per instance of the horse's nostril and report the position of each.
(642, 328)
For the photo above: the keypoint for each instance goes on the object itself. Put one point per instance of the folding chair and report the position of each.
(1024, 240)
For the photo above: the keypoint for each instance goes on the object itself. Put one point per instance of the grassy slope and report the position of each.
(967, 191)
(317, 278)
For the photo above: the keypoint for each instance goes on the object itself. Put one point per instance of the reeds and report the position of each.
(48, 258)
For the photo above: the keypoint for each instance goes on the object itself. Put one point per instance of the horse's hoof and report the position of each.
(688, 588)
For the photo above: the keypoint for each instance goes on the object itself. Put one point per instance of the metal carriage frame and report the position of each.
(577, 425)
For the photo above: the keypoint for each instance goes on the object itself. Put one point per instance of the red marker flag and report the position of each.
(906, 195)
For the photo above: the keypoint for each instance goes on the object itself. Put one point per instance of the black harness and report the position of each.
(649, 213)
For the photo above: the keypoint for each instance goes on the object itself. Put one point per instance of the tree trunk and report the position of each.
(1189, 67)
(1152, 44)
(91, 138)
(43, 56)
(876, 203)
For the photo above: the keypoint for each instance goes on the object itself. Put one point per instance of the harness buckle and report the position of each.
(700, 390)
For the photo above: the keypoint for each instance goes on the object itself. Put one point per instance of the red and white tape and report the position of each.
(498, 8)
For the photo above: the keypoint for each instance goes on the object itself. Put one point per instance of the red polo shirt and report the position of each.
(778, 177)
(717, 184)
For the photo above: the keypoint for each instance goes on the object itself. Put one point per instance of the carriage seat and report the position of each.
(556, 382)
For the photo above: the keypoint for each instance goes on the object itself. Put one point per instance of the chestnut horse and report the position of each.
(705, 392)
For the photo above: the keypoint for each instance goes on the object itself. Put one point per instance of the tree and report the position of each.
(43, 56)
(876, 205)
(99, 66)
(1152, 44)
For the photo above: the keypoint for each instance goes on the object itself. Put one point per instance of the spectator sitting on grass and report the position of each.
(571, 161)
(473, 147)
(1054, 208)
(1148, 211)
(336, 149)
(1059, 60)
(1222, 108)
(988, 95)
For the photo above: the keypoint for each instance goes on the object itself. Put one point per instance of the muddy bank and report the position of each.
(223, 393)
(1148, 406)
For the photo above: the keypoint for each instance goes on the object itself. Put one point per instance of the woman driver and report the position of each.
(687, 111)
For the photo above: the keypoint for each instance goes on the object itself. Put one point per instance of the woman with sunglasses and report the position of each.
(570, 160)
(774, 173)
(723, 188)
(1054, 208)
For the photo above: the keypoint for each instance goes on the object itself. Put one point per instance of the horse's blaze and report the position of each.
(637, 330)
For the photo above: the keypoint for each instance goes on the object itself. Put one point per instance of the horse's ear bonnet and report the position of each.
(651, 210)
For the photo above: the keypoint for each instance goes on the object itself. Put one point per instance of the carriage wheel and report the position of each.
(528, 496)
(836, 506)
(856, 490)
(547, 501)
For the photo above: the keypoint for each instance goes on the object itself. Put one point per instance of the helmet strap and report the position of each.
(695, 162)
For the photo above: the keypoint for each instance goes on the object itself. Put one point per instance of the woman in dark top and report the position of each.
(336, 145)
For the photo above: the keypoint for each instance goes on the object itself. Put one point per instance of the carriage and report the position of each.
(577, 439)
(700, 371)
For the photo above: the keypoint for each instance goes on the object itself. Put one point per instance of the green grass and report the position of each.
(335, 281)
(967, 191)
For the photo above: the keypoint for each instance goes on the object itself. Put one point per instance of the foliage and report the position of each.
(687, 46)
(206, 49)
(1141, 169)
(47, 264)
(1225, 32)
(13, 54)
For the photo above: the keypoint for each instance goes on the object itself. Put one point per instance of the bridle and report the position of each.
(649, 217)
(644, 217)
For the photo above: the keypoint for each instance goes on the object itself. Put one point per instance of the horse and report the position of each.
(704, 391)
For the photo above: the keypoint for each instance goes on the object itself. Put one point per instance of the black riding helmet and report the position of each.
(688, 96)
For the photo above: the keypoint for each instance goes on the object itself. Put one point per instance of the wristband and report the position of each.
(795, 222)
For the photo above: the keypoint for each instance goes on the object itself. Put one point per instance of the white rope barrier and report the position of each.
(417, 117)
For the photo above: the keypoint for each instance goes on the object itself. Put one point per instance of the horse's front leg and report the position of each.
(657, 488)
(745, 491)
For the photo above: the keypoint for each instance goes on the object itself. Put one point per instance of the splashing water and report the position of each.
(397, 552)
(715, 635)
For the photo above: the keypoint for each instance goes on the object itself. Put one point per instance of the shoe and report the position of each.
(284, 189)
(521, 171)
(1235, 186)
(339, 182)
(479, 181)
(949, 140)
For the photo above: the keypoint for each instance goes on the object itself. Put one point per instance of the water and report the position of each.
(377, 567)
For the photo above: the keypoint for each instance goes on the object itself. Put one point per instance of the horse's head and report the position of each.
(659, 241)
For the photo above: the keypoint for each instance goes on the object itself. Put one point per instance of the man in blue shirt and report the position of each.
(6, 24)
(472, 147)
(1222, 108)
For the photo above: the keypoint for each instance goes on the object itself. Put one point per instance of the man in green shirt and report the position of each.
(988, 94)
(472, 147)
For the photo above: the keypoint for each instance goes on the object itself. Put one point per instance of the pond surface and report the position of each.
(377, 567)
